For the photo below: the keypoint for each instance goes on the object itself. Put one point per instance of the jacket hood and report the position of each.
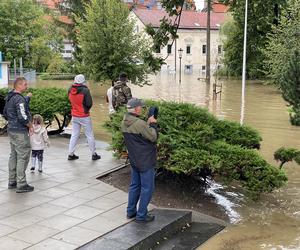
(129, 119)
(37, 128)
(10, 94)
(76, 88)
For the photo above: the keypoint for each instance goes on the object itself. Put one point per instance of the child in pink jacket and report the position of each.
(39, 141)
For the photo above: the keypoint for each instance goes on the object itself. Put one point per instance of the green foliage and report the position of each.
(283, 41)
(285, 155)
(261, 15)
(24, 32)
(290, 86)
(193, 142)
(110, 45)
(51, 103)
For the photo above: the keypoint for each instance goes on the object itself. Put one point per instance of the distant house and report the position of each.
(217, 7)
(54, 5)
(191, 39)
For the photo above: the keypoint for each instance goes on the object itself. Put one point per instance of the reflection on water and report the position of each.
(274, 221)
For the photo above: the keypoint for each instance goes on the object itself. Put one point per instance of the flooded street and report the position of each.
(273, 222)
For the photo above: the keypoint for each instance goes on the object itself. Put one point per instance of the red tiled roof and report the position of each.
(51, 4)
(219, 8)
(189, 19)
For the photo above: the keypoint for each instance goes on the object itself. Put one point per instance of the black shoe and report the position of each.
(96, 157)
(40, 170)
(131, 216)
(32, 169)
(73, 157)
(24, 189)
(12, 185)
(148, 218)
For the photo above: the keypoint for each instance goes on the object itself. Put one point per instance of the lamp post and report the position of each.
(244, 65)
(180, 51)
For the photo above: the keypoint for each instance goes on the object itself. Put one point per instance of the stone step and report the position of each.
(190, 237)
(142, 236)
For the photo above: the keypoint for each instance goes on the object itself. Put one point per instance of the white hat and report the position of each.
(79, 79)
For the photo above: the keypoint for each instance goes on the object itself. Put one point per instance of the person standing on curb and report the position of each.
(81, 102)
(140, 139)
(17, 113)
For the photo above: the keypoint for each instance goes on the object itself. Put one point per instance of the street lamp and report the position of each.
(180, 51)
(244, 64)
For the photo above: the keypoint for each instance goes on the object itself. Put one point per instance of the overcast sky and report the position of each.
(199, 4)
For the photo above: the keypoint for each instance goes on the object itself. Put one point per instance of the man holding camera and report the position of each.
(140, 139)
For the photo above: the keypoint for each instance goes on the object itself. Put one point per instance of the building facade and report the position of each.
(191, 40)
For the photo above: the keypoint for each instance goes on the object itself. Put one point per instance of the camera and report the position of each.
(153, 111)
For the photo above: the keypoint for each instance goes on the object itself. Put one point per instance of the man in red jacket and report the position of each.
(81, 102)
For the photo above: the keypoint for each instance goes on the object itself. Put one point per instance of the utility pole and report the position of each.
(208, 42)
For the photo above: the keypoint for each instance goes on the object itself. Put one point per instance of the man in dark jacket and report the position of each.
(81, 102)
(140, 139)
(16, 111)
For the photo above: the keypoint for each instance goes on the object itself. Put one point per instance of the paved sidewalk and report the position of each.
(69, 206)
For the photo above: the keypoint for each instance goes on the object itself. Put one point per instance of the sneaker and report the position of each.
(32, 169)
(12, 185)
(96, 157)
(24, 189)
(148, 218)
(40, 170)
(73, 157)
(131, 216)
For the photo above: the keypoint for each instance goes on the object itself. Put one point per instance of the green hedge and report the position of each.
(51, 103)
(193, 142)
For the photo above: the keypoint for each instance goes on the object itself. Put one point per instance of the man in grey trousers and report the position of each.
(17, 113)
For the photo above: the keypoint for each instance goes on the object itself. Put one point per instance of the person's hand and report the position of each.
(151, 119)
(29, 94)
(31, 130)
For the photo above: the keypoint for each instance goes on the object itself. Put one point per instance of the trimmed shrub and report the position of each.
(195, 143)
(51, 103)
(285, 155)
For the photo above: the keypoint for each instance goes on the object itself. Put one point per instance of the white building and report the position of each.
(191, 39)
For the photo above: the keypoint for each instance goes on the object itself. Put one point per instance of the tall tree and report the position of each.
(261, 16)
(25, 33)
(110, 44)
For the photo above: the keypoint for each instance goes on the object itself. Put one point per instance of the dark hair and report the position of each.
(123, 75)
(19, 80)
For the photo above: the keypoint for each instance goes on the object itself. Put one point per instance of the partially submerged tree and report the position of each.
(110, 44)
(285, 155)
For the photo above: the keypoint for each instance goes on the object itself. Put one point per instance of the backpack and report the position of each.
(119, 98)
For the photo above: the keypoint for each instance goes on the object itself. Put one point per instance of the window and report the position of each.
(188, 49)
(188, 69)
(169, 48)
(203, 49)
(219, 49)
(203, 71)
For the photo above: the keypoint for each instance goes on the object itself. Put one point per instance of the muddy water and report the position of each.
(274, 221)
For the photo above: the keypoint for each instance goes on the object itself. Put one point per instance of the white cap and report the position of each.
(79, 79)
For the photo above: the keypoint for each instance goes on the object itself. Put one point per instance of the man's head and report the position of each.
(79, 79)
(123, 77)
(134, 105)
(20, 84)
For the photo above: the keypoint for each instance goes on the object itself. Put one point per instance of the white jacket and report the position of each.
(39, 139)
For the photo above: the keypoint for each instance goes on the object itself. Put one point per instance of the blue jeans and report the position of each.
(141, 189)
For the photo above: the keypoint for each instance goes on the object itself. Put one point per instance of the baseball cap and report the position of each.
(135, 102)
(79, 79)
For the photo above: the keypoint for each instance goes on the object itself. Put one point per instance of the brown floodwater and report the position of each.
(273, 222)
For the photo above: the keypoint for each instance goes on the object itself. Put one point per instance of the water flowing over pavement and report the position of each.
(273, 222)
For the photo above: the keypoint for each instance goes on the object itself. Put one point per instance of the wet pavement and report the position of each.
(69, 206)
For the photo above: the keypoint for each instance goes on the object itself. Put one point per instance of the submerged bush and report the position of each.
(195, 143)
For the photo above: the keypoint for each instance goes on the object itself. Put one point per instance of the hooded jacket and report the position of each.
(81, 100)
(16, 112)
(39, 139)
(140, 139)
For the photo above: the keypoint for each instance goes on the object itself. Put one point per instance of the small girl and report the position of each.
(39, 140)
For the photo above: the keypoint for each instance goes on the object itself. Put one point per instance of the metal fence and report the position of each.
(29, 74)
